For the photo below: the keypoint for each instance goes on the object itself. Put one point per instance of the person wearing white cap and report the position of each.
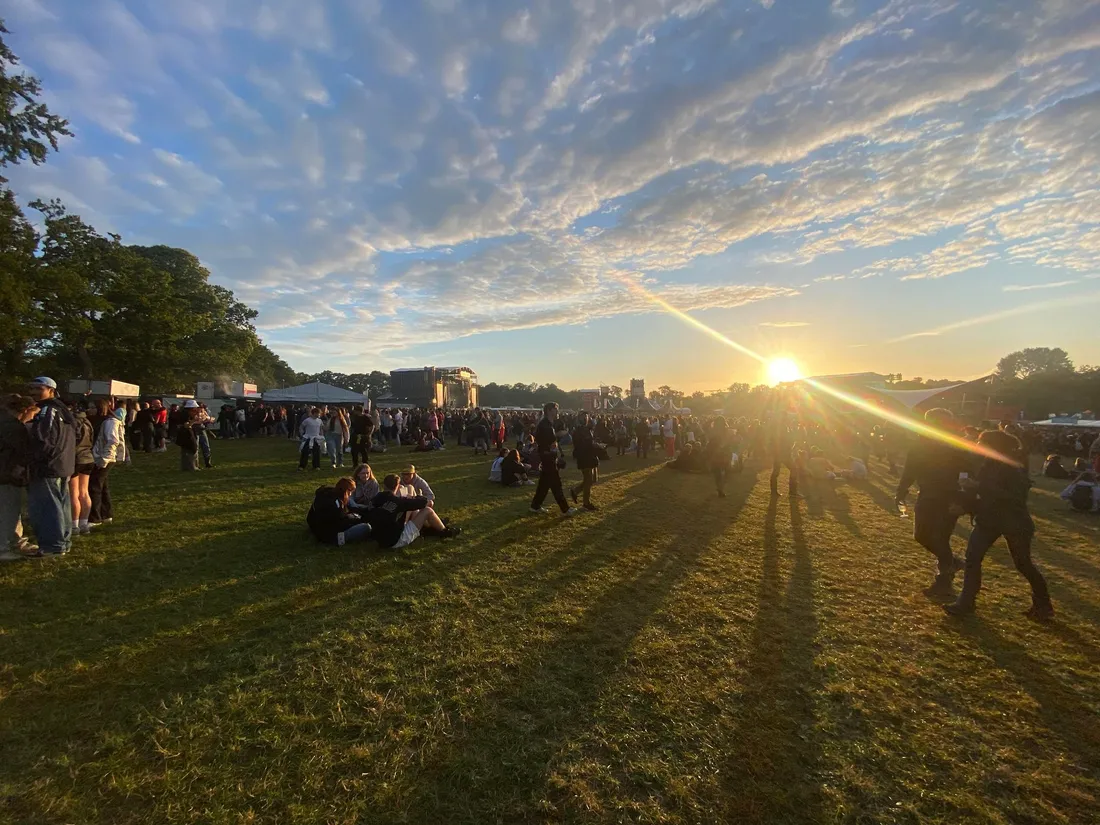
(187, 439)
(52, 463)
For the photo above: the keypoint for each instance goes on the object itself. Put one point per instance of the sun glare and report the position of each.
(782, 370)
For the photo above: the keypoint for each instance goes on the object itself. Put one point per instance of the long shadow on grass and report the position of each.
(1060, 707)
(770, 771)
(551, 698)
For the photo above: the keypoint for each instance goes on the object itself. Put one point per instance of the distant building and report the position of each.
(432, 387)
(637, 388)
(591, 400)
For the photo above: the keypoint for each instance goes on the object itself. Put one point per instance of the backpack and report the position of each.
(1080, 498)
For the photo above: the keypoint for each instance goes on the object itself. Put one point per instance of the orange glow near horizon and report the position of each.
(904, 421)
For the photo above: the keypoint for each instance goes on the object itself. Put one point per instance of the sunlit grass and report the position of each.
(671, 659)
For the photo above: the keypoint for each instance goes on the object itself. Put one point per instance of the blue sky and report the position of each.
(442, 181)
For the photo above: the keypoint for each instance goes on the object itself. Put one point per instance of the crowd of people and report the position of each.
(60, 457)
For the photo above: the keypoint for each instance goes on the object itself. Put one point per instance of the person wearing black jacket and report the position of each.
(362, 430)
(586, 454)
(330, 520)
(187, 439)
(398, 521)
(781, 444)
(15, 450)
(641, 432)
(546, 440)
(936, 468)
(1000, 509)
(52, 463)
(720, 446)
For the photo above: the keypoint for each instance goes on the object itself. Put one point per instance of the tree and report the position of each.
(26, 125)
(615, 392)
(1034, 361)
(739, 389)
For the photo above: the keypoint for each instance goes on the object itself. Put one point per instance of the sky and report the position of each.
(905, 187)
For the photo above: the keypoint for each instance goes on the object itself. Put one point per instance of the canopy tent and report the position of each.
(1081, 422)
(315, 393)
(913, 398)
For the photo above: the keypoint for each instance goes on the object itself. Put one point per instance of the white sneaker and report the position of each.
(572, 511)
(537, 510)
(340, 540)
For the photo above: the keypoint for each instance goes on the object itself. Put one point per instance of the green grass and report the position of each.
(671, 659)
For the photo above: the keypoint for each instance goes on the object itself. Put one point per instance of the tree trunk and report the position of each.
(85, 358)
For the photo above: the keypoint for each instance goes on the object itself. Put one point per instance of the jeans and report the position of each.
(11, 510)
(359, 532)
(51, 514)
(204, 445)
(588, 478)
(360, 448)
(1019, 547)
(100, 492)
(792, 482)
(933, 525)
(335, 443)
(307, 448)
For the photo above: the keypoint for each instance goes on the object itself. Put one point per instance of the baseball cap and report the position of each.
(190, 404)
(410, 470)
(43, 381)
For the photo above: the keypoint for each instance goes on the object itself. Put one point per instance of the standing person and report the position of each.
(362, 430)
(782, 450)
(311, 433)
(550, 473)
(241, 417)
(15, 455)
(144, 423)
(1001, 510)
(720, 446)
(202, 418)
(109, 449)
(53, 459)
(84, 464)
(334, 437)
(641, 433)
(160, 425)
(187, 438)
(587, 457)
(669, 432)
(935, 468)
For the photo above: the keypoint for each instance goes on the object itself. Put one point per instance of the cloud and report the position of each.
(1029, 287)
(784, 324)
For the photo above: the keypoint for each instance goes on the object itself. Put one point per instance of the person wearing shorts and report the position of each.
(398, 521)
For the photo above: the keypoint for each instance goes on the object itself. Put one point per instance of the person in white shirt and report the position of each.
(109, 449)
(669, 432)
(494, 471)
(414, 485)
(242, 429)
(312, 436)
(399, 423)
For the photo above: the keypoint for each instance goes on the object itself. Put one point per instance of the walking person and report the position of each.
(144, 423)
(550, 472)
(782, 449)
(935, 468)
(1000, 509)
(160, 425)
(201, 420)
(362, 432)
(187, 438)
(15, 454)
(668, 430)
(641, 433)
(109, 449)
(586, 454)
(53, 460)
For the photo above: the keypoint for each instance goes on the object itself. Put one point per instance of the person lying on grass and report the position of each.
(399, 521)
(329, 518)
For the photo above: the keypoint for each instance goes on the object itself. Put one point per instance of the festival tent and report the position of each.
(315, 393)
(913, 398)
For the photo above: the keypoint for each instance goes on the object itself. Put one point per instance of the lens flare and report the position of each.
(904, 421)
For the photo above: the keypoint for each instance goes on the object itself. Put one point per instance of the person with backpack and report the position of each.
(329, 518)
(52, 463)
(1000, 509)
(85, 463)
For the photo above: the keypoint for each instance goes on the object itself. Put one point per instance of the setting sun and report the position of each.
(782, 370)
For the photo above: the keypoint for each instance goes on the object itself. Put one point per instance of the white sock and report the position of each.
(82, 523)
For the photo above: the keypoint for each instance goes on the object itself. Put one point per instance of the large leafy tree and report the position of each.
(27, 131)
(1034, 361)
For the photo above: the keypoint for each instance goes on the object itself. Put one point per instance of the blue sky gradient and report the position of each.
(443, 181)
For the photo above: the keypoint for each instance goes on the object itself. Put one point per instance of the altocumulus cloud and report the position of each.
(444, 169)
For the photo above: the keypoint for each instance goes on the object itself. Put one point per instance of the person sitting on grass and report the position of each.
(686, 460)
(427, 444)
(415, 485)
(498, 463)
(366, 488)
(329, 519)
(398, 521)
(513, 472)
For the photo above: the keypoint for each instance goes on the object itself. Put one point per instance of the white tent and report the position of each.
(911, 398)
(315, 393)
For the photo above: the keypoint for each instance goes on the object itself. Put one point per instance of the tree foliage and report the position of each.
(1034, 361)
(27, 127)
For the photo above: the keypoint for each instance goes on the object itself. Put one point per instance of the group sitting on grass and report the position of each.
(394, 514)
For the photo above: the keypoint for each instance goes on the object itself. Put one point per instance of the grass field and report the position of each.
(671, 659)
